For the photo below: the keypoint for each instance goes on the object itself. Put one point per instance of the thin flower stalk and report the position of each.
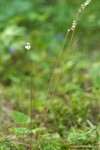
(73, 28)
(28, 47)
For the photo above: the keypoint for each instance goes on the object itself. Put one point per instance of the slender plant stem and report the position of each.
(31, 90)
(57, 81)
(31, 96)
(58, 78)
(56, 64)
(51, 80)
(59, 75)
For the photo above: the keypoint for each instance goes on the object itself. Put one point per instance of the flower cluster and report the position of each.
(28, 46)
(73, 25)
(84, 5)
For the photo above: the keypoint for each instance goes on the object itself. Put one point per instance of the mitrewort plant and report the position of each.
(25, 121)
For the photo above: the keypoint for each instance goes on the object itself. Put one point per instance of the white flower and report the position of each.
(85, 4)
(28, 46)
(73, 25)
(68, 30)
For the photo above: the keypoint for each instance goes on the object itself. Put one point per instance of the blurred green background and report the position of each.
(44, 23)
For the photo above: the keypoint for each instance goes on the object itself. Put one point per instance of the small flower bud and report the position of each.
(74, 25)
(68, 30)
(28, 47)
(84, 5)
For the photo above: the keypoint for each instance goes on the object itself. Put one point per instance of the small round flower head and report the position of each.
(28, 46)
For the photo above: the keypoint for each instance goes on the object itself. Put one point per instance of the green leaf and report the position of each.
(20, 118)
(23, 131)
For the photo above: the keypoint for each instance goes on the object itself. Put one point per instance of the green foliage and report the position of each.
(20, 118)
(77, 95)
(84, 138)
(25, 131)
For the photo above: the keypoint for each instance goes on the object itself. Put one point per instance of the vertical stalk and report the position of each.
(59, 75)
(50, 84)
(31, 90)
